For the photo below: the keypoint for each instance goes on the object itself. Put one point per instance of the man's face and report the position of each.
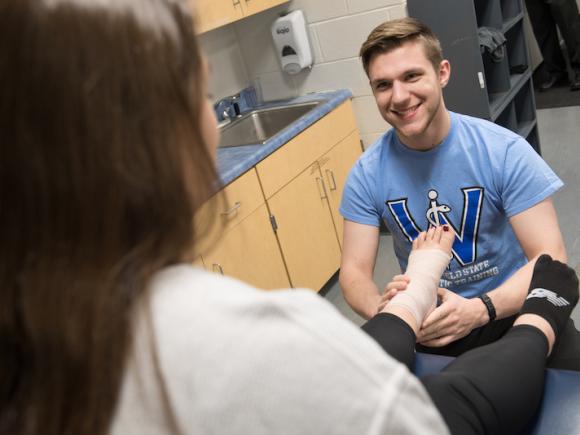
(408, 92)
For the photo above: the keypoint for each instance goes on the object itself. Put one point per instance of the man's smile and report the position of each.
(406, 113)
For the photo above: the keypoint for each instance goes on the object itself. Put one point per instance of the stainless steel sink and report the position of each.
(260, 125)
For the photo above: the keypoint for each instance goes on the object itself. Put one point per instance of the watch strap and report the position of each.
(489, 306)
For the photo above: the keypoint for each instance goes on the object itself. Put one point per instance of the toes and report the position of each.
(447, 238)
(567, 272)
(437, 234)
(421, 239)
(430, 233)
(566, 275)
(544, 259)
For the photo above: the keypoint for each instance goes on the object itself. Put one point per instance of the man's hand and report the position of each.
(453, 319)
(398, 284)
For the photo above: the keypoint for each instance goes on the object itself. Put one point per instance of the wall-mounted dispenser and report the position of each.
(291, 41)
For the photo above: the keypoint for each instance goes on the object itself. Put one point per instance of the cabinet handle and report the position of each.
(232, 210)
(321, 192)
(236, 2)
(217, 268)
(330, 177)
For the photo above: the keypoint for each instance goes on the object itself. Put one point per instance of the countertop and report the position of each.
(234, 161)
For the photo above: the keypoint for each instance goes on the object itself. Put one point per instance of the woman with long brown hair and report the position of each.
(101, 111)
(107, 151)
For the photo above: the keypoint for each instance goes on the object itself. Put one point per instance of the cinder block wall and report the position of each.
(243, 52)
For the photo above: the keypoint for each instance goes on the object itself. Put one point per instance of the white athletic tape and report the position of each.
(424, 268)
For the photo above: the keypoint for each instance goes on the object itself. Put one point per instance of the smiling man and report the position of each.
(436, 167)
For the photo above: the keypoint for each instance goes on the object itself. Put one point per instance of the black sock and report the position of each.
(553, 292)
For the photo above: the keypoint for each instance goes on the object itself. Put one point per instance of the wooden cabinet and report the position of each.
(335, 166)
(306, 230)
(242, 243)
(250, 252)
(278, 224)
(303, 183)
(309, 226)
(233, 203)
(254, 6)
(210, 14)
(198, 261)
(288, 161)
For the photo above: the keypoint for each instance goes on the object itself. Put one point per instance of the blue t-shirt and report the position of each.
(478, 177)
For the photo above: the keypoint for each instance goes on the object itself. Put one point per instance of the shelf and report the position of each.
(508, 24)
(516, 46)
(488, 14)
(534, 139)
(499, 100)
(525, 128)
(508, 96)
(511, 9)
(508, 118)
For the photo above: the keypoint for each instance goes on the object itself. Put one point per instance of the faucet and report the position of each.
(228, 107)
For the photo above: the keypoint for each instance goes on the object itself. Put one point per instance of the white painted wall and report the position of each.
(243, 52)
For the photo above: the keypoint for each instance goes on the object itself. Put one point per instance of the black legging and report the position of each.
(566, 355)
(493, 389)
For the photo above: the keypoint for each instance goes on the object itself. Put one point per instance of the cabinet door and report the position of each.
(305, 230)
(254, 6)
(290, 160)
(335, 166)
(228, 208)
(215, 13)
(250, 252)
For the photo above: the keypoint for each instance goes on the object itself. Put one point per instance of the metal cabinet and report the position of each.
(501, 91)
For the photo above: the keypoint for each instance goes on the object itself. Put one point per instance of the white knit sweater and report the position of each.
(237, 360)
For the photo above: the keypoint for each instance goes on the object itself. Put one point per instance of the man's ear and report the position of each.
(444, 72)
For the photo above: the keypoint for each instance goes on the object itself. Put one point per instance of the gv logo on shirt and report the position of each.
(465, 244)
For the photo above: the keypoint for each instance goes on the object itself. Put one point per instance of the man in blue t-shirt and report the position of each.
(434, 168)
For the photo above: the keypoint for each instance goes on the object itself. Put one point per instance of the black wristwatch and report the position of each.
(489, 305)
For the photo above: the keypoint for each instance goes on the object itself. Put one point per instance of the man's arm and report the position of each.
(359, 253)
(538, 232)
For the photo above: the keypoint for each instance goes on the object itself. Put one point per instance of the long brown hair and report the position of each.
(102, 167)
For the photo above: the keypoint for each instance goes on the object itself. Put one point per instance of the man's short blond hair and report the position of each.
(392, 34)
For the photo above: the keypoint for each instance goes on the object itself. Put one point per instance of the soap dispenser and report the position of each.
(291, 40)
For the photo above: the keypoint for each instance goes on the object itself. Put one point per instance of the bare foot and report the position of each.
(428, 259)
(435, 238)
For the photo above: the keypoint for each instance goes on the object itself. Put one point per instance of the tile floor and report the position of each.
(560, 142)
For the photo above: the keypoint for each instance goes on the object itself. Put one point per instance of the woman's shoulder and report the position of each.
(222, 341)
(185, 298)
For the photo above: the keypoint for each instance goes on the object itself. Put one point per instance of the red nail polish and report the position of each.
(445, 228)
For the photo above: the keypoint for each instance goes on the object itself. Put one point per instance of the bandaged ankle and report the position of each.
(424, 269)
